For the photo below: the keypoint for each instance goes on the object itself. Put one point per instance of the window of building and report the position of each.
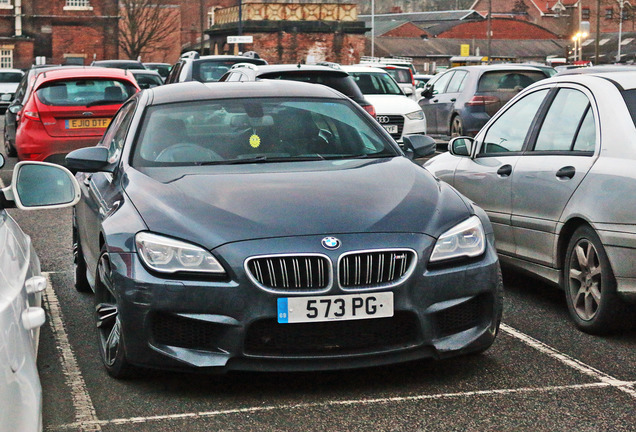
(6, 4)
(585, 13)
(78, 5)
(609, 13)
(6, 58)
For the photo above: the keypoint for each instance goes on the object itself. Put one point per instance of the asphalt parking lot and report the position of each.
(540, 375)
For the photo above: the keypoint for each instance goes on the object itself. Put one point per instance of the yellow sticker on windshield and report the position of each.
(255, 141)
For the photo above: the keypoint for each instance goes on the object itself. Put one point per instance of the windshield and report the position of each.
(10, 77)
(336, 80)
(400, 75)
(375, 83)
(233, 131)
(213, 70)
(85, 92)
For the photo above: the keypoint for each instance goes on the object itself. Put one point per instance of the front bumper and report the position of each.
(232, 324)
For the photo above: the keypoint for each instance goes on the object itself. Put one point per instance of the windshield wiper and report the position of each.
(265, 159)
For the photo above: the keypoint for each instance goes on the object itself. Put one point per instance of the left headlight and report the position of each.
(168, 255)
(416, 115)
(466, 239)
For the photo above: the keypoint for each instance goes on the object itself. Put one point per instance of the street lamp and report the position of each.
(578, 45)
(620, 29)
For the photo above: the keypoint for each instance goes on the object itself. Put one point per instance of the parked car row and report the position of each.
(554, 171)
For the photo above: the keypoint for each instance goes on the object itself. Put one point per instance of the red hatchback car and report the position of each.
(69, 109)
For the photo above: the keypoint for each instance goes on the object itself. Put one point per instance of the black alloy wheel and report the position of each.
(590, 285)
(457, 127)
(110, 337)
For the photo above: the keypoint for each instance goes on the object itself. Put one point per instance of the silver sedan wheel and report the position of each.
(585, 280)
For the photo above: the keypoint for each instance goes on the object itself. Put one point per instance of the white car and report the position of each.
(35, 185)
(9, 80)
(397, 113)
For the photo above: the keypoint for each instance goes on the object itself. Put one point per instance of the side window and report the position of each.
(235, 76)
(116, 133)
(457, 82)
(509, 132)
(586, 138)
(439, 86)
(565, 122)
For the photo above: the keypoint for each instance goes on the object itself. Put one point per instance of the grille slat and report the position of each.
(291, 273)
(374, 268)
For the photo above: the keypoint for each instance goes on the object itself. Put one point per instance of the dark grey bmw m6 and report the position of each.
(274, 226)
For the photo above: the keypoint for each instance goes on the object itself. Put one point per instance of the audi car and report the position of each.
(274, 226)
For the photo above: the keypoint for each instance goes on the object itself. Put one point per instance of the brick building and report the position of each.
(292, 32)
(68, 31)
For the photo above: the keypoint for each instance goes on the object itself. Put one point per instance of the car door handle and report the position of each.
(453, 99)
(504, 170)
(566, 172)
(435, 100)
(87, 179)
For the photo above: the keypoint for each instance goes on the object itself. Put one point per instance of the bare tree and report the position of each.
(145, 24)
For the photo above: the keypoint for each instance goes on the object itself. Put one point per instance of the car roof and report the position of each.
(263, 69)
(12, 71)
(144, 72)
(598, 69)
(118, 61)
(356, 68)
(83, 72)
(195, 90)
(626, 79)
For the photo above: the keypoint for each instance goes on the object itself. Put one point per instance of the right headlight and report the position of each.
(416, 115)
(466, 239)
(168, 255)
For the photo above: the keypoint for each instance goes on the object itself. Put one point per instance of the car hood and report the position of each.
(392, 104)
(216, 205)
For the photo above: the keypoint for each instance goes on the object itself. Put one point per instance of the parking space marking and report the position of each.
(352, 402)
(85, 416)
(623, 386)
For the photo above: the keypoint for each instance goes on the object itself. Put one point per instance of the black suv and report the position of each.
(331, 76)
(192, 67)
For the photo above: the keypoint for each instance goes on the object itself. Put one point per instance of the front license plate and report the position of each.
(392, 129)
(87, 123)
(335, 308)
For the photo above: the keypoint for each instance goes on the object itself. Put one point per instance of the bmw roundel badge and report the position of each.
(330, 243)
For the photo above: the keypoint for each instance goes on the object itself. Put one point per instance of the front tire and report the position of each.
(590, 286)
(110, 336)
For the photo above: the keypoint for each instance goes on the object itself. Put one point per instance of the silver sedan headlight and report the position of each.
(167, 255)
(466, 239)
(416, 115)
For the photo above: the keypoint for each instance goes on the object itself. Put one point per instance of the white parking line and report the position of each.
(353, 402)
(623, 386)
(85, 416)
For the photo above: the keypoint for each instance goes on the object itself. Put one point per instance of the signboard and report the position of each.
(240, 39)
(464, 50)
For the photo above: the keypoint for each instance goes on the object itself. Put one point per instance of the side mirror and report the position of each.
(408, 91)
(418, 146)
(15, 109)
(461, 146)
(37, 185)
(88, 159)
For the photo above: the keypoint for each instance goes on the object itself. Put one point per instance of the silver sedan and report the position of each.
(554, 170)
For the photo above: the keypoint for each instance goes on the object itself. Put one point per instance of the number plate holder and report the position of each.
(335, 308)
(392, 129)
